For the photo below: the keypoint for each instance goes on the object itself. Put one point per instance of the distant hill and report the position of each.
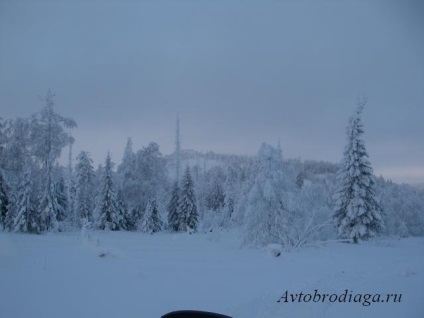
(204, 161)
(207, 160)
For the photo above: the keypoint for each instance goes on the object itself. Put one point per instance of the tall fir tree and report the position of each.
(187, 208)
(85, 197)
(48, 137)
(62, 199)
(70, 186)
(49, 207)
(357, 212)
(267, 219)
(125, 220)
(108, 210)
(28, 219)
(16, 152)
(151, 222)
(3, 140)
(137, 214)
(151, 173)
(128, 165)
(71, 196)
(4, 201)
(173, 216)
(178, 149)
(230, 195)
(216, 198)
(129, 183)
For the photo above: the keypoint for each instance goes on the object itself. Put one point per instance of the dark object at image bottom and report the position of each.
(193, 314)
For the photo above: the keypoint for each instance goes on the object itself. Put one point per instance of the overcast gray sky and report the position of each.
(238, 73)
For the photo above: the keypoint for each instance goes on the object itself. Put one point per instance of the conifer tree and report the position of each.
(175, 219)
(28, 219)
(230, 195)
(70, 187)
(62, 200)
(357, 212)
(267, 218)
(127, 170)
(151, 173)
(48, 137)
(125, 220)
(4, 201)
(216, 198)
(49, 206)
(85, 178)
(151, 221)
(15, 153)
(187, 208)
(3, 140)
(109, 214)
(137, 214)
(178, 149)
(10, 215)
(128, 161)
(173, 216)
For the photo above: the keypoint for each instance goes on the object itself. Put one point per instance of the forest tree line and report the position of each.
(273, 199)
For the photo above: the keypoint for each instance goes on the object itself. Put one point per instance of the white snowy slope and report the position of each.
(123, 274)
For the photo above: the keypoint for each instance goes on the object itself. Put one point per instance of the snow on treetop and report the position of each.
(268, 152)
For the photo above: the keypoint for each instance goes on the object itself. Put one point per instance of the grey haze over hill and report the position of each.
(238, 73)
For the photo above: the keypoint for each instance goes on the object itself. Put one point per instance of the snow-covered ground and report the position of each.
(122, 274)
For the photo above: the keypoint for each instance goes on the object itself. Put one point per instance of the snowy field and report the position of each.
(125, 274)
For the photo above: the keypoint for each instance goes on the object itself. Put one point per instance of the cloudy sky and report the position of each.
(238, 73)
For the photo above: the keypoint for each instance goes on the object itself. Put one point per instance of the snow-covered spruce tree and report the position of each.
(125, 220)
(129, 183)
(70, 188)
(4, 201)
(3, 140)
(238, 217)
(48, 137)
(126, 168)
(49, 206)
(62, 199)
(71, 194)
(173, 216)
(28, 219)
(267, 219)
(137, 214)
(15, 151)
(210, 190)
(108, 210)
(151, 173)
(300, 179)
(357, 212)
(15, 156)
(178, 149)
(231, 186)
(216, 198)
(85, 198)
(215, 178)
(151, 222)
(187, 208)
